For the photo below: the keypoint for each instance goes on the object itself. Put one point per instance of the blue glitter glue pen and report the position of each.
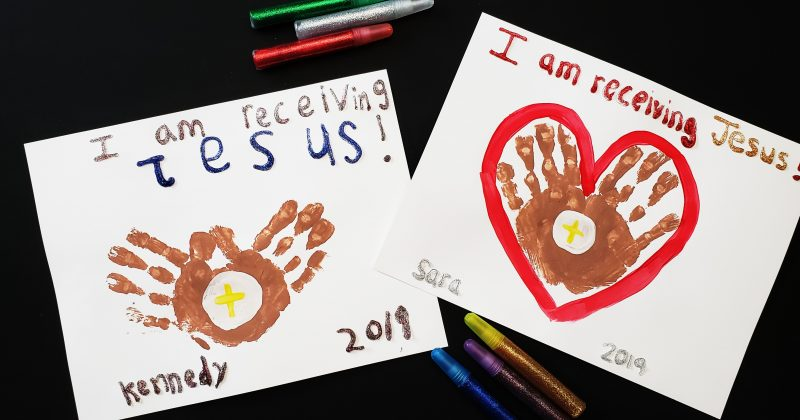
(464, 381)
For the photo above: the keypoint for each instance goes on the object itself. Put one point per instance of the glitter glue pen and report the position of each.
(512, 381)
(368, 15)
(278, 54)
(260, 18)
(526, 366)
(463, 380)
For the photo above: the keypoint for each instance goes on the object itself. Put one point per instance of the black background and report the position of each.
(74, 66)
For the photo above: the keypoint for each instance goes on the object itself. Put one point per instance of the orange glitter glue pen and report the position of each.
(531, 370)
(355, 37)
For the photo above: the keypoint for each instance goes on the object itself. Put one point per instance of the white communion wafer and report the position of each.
(231, 299)
(574, 232)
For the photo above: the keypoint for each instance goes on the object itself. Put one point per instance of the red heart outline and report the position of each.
(635, 280)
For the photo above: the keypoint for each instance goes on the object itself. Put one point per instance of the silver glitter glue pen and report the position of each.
(362, 16)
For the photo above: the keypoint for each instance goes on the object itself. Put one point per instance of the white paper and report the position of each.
(690, 325)
(86, 207)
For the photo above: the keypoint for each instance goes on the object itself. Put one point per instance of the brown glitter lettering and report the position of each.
(303, 104)
(103, 149)
(402, 317)
(127, 392)
(164, 135)
(388, 323)
(175, 380)
(141, 386)
(380, 126)
(191, 127)
(378, 333)
(379, 88)
(351, 345)
(222, 369)
(188, 377)
(261, 117)
(278, 118)
(172, 383)
(154, 381)
(244, 114)
(205, 374)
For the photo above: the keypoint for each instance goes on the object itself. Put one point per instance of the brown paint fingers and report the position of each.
(314, 264)
(196, 274)
(123, 285)
(223, 237)
(279, 221)
(122, 256)
(614, 249)
(143, 240)
(505, 174)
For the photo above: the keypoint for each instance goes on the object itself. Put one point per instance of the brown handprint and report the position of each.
(571, 239)
(234, 303)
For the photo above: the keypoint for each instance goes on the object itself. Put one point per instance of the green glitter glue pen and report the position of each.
(260, 18)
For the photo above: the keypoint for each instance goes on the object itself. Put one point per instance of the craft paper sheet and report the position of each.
(228, 248)
(600, 213)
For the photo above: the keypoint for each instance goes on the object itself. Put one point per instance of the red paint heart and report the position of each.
(635, 280)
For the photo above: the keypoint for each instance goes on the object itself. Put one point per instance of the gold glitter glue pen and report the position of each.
(526, 366)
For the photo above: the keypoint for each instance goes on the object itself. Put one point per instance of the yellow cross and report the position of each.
(229, 298)
(573, 230)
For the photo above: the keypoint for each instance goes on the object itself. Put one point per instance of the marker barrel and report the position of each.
(532, 371)
(463, 380)
(278, 54)
(368, 15)
(288, 12)
(540, 377)
(513, 382)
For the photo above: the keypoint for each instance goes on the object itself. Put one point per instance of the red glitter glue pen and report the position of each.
(355, 37)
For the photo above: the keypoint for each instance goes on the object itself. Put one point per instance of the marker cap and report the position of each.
(488, 361)
(412, 6)
(483, 330)
(457, 373)
(367, 34)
